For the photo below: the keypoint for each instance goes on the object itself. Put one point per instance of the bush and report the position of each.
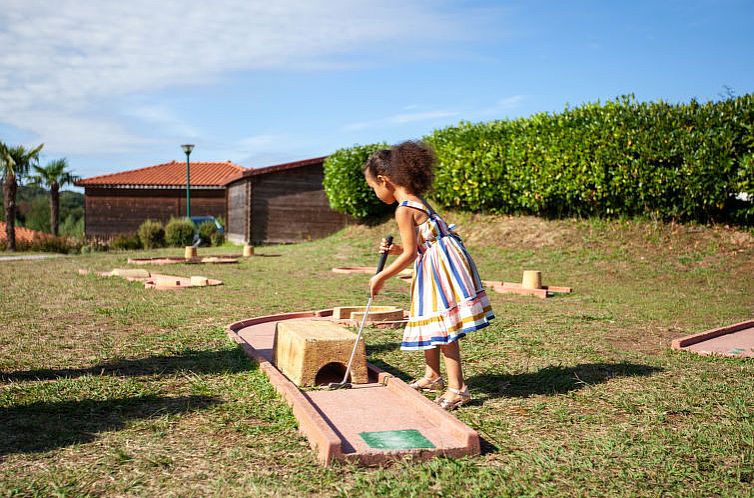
(623, 158)
(179, 232)
(72, 226)
(95, 244)
(689, 162)
(126, 242)
(44, 242)
(345, 186)
(207, 230)
(152, 234)
(218, 239)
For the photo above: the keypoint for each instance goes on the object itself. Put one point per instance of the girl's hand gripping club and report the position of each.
(344, 384)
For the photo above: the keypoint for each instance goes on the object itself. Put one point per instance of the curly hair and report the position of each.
(409, 164)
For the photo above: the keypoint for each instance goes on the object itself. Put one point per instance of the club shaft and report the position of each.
(358, 338)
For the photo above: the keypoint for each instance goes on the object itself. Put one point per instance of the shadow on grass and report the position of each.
(211, 362)
(384, 347)
(44, 426)
(548, 381)
(555, 379)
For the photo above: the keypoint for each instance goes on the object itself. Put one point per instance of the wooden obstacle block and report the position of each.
(376, 313)
(314, 352)
(134, 273)
(531, 285)
(199, 281)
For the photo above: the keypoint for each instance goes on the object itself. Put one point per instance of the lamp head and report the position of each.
(187, 148)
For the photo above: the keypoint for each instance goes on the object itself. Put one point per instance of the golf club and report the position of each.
(345, 384)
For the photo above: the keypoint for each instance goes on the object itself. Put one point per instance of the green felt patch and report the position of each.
(408, 439)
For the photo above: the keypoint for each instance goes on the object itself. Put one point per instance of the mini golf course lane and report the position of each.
(736, 341)
(369, 424)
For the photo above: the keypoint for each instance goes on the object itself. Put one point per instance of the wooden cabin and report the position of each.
(281, 203)
(120, 202)
(275, 204)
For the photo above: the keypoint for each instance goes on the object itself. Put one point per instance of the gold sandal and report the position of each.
(449, 405)
(429, 385)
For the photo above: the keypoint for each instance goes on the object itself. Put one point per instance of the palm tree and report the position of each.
(6, 161)
(14, 163)
(54, 176)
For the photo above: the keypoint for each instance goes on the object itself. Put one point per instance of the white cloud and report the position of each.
(401, 118)
(421, 116)
(80, 134)
(61, 61)
(162, 117)
(499, 109)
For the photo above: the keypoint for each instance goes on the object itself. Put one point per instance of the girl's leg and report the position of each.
(452, 354)
(432, 380)
(432, 359)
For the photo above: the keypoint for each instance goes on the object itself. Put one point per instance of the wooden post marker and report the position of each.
(248, 251)
(532, 279)
(189, 252)
(307, 349)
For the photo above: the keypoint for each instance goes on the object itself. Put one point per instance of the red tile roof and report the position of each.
(273, 169)
(22, 234)
(203, 174)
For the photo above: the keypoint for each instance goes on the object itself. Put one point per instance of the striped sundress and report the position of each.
(447, 296)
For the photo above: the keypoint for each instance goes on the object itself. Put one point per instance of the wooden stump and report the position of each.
(532, 279)
(315, 352)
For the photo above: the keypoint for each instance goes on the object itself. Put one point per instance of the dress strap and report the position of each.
(415, 205)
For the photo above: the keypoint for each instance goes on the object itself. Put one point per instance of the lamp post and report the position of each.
(187, 148)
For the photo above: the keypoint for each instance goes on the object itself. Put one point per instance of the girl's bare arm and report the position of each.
(407, 230)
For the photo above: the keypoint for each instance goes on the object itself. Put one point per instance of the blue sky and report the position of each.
(120, 85)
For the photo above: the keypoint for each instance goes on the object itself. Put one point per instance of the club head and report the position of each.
(338, 385)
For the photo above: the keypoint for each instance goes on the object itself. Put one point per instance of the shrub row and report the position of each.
(620, 158)
(45, 242)
(179, 232)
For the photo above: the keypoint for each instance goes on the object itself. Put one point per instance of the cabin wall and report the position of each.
(110, 211)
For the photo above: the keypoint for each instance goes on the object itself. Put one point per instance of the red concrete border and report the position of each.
(311, 424)
(157, 282)
(430, 409)
(172, 260)
(322, 438)
(688, 340)
(516, 288)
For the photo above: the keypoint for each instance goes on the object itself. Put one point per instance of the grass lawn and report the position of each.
(110, 389)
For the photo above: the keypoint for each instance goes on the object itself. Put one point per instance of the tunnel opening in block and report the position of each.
(332, 372)
(306, 351)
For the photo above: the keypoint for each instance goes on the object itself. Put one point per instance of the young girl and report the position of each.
(447, 296)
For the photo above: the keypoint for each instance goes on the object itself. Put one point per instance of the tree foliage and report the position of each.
(345, 186)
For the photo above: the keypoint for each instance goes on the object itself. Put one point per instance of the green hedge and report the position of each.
(345, 186)
(623, 157)
(620, 158)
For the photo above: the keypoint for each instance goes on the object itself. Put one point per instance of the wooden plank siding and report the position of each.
(239, 216)
(281, 204)
(110, 211)
(291, 206)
